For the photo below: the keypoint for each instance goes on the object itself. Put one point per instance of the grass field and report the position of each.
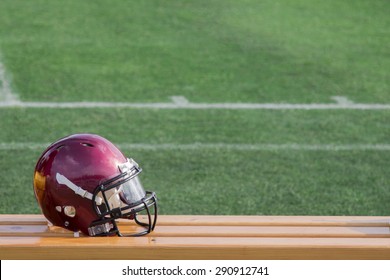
(206, 160)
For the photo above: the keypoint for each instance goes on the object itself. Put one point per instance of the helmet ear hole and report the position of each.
(70, 211)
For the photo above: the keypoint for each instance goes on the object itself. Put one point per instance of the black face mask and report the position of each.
(123, 197)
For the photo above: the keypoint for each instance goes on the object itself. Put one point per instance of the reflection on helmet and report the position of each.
(84, 183)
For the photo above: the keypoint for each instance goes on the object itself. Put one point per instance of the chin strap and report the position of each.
(61, 179)
(102, 229)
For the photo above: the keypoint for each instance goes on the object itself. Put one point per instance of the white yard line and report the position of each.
(180, 102)
(219, 146)
(197, 106)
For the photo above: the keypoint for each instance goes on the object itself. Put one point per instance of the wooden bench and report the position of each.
(205, 237)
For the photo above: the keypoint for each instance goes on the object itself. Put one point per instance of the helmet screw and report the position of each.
(66, 223)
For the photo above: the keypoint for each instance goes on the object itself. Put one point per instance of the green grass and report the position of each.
(279, 183)
(208, 51)
(222, 181)
(204, 126)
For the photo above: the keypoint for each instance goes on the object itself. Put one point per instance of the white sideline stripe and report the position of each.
(220, 146)
(197, 106)
(6, 95)
(256, 147)
(180, 102)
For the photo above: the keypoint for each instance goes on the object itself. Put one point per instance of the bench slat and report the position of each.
(215, 231)
(205, 237)
(193, 248)
(205, 220)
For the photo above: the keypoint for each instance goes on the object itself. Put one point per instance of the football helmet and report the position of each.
(84, 183)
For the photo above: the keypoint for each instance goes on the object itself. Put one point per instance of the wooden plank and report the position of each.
(275, 220)
(215, 231)
(205, 237)
(205, 220)
(22, 219)
(193, 248)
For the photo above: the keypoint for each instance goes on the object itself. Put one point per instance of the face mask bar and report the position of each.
(107, 224)
(150, 225)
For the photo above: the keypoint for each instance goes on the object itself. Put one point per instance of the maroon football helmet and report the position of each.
(84, 183)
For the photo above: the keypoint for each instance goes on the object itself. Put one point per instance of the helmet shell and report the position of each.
(86, 160)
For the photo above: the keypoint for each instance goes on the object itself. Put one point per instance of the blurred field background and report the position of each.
(207, 161)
